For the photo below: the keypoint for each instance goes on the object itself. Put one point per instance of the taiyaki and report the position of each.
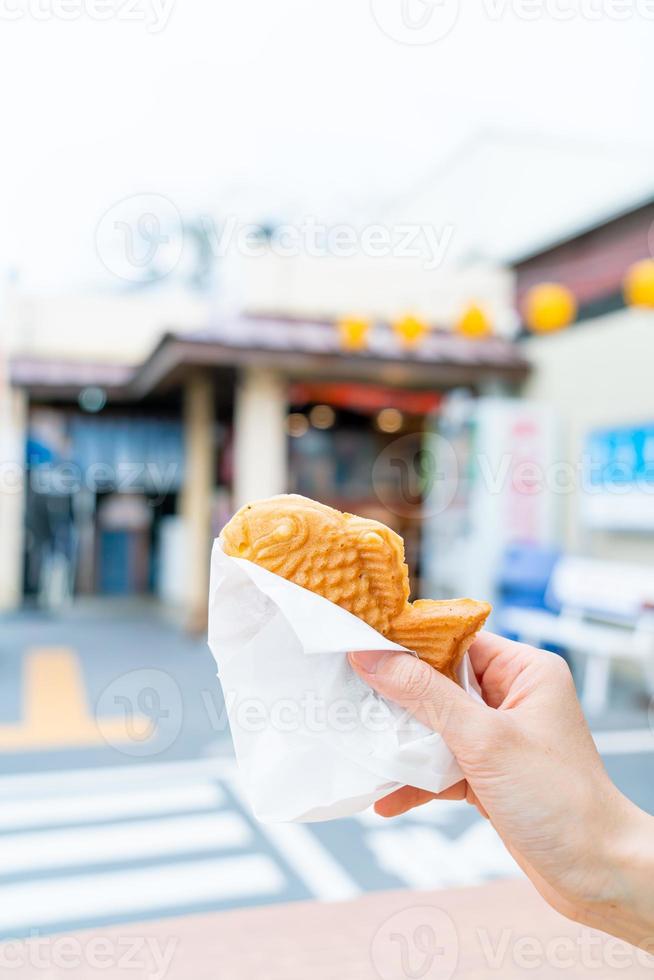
(358, 564)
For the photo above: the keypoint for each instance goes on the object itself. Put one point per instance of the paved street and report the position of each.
(119, 797)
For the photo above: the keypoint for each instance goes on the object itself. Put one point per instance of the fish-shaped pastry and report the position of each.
(358, 564)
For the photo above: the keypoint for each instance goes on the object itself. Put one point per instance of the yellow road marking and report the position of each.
(55, 708)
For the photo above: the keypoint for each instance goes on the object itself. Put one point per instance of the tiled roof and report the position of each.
(48, 372)
(309, 345)
(311, 337)
(592, 264)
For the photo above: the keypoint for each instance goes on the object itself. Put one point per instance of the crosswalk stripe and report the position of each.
(81, 808)
(326, 879)
(47, 850)
(323, 875)
(424, 857)
(92, 896)
(625, 742)
(136, 775)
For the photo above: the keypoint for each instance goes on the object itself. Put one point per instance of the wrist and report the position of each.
(622, 901)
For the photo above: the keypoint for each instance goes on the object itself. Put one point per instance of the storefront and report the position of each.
(98, 485)
(128, 482)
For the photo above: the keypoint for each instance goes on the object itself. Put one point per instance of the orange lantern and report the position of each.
(353, 332)
(410, 329)
(639, 284)
(549, 307)
(474, 323)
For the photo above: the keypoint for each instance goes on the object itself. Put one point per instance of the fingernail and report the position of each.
(370, 660)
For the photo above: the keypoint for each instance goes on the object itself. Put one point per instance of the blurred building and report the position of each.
(579, 443)
(80, 347)
(598, 374)
(147, 417)
(133, 465)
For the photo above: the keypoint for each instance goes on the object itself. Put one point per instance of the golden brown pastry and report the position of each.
(358, 564)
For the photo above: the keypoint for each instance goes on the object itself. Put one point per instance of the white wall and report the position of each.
(260, 442)
(326, 287)
(600, 372)
(98, 327)
(12, 451)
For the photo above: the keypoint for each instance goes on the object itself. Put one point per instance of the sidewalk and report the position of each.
(503, 929)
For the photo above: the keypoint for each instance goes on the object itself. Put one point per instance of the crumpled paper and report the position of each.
(312, 740)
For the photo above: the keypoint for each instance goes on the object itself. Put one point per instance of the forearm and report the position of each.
(531, 765)
(626, 909)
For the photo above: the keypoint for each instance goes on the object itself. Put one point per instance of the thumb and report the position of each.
(431, 697)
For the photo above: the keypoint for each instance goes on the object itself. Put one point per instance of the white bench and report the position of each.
(607, 612)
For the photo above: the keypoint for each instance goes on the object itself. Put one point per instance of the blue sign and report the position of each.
(621, 457)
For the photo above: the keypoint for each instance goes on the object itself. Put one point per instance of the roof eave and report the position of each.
(173, 355)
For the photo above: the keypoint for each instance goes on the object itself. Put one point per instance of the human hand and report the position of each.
(531, 767)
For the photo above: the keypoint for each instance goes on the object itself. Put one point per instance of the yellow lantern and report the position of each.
(639, 284)
(473, 323)
(353, 332)
(549, 307)
(410, 329)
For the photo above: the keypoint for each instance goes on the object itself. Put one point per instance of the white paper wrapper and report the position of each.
(312, 740)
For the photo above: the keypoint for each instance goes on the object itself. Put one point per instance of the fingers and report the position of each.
(497, 663)
(457, 792)
(433, 698)
(401, 800)
(408, 797)
(488, 647)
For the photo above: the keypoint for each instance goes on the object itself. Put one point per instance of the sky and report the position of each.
(334, 108)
